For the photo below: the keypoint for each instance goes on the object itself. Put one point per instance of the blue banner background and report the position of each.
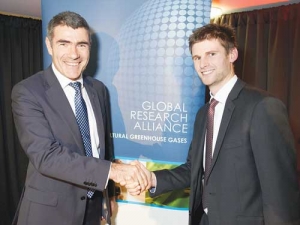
(140, 51)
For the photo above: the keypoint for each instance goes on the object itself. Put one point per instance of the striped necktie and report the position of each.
(83, 123)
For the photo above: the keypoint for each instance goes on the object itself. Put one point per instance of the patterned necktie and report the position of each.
(83, 123)
(209, 141)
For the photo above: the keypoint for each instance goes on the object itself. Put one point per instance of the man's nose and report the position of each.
(73, 51)
(203, 62)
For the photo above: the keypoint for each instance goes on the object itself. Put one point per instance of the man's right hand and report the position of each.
(134, 175)
(134, 190)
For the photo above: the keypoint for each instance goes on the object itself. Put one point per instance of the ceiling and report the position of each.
(32, 8)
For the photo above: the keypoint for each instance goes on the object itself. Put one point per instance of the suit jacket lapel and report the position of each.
(199, 143)
(228, 110)
(92, 93)
(197, 159)
(60, 103)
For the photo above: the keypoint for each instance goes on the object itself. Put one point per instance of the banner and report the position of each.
(140, 51)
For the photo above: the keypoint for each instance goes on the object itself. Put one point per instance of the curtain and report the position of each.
(20, 57)
(269, 55)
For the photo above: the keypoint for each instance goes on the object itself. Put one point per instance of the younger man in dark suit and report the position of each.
(249, 175)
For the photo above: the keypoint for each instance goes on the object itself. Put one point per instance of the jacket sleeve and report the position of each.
(275, 158)
(174, 179)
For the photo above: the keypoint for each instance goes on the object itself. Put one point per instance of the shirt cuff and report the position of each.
(108, 176)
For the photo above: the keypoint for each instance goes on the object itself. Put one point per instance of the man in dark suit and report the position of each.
(252, 176)
(64, 185)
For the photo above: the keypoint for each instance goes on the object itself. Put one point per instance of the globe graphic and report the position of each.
(151, 60)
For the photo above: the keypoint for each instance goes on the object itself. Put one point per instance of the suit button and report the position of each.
(82, 198)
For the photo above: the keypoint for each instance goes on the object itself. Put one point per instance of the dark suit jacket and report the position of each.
(253, 176)
(59, 173)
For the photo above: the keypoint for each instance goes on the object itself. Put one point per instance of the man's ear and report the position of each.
(48, 45)
(233, 55)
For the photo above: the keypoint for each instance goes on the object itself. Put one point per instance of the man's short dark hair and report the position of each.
(224, 33)
(67, 18)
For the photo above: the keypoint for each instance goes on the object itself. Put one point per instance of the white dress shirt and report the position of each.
(70, 93)
(221, 97)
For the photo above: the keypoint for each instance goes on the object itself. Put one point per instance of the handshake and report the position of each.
(134, 176)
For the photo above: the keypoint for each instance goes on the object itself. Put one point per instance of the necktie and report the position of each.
(209, 141)
(83, 123)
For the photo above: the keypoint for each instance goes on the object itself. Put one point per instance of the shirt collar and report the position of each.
(63, 80)
(222, 94)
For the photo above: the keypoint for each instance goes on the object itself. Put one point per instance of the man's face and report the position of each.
(70, 50)
(212, 63)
